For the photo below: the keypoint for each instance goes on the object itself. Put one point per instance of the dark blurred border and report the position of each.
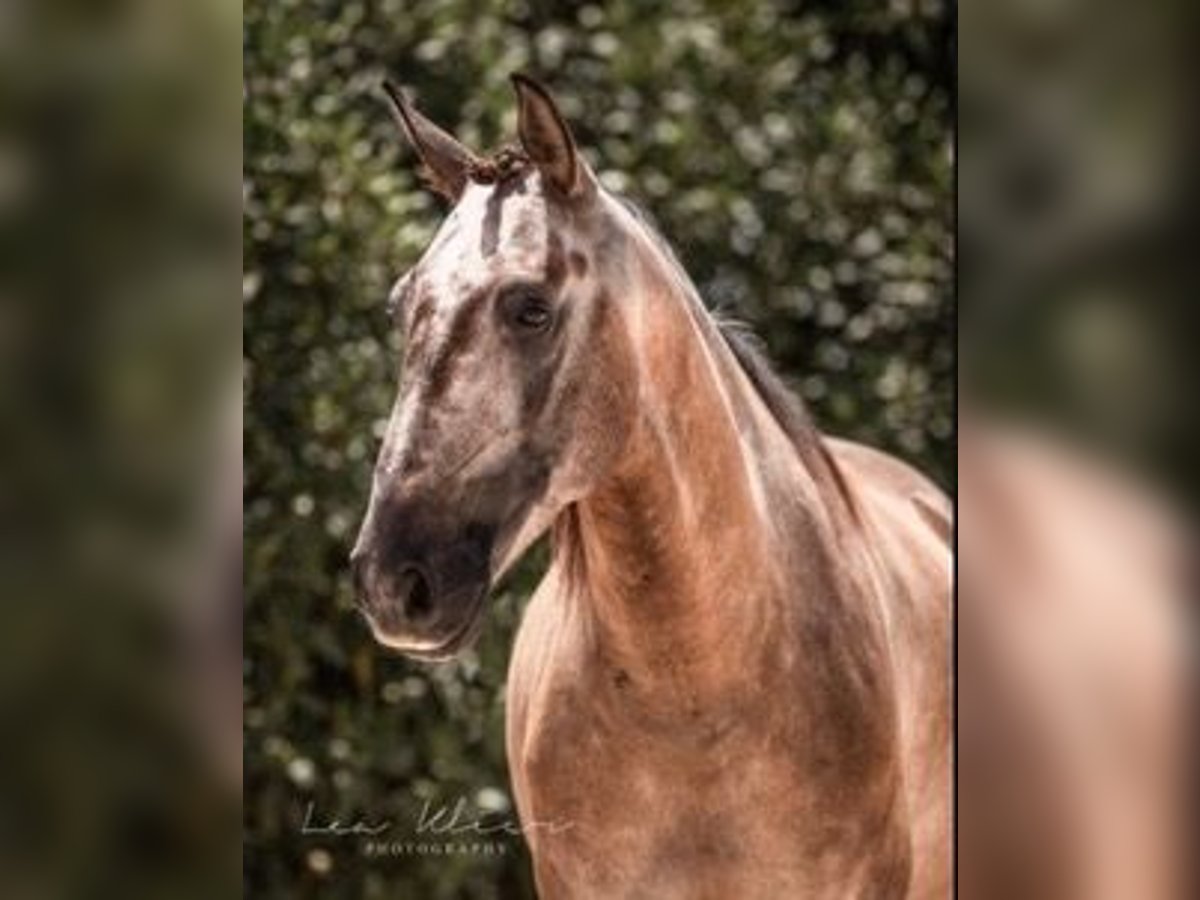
(120, 560)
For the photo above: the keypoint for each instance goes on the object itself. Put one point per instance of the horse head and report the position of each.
(518, 382)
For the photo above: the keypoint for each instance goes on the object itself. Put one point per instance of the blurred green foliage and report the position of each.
(798, 157)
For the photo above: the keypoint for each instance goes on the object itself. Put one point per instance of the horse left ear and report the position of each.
(547, 140)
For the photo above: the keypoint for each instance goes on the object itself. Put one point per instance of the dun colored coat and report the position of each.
(734, 680)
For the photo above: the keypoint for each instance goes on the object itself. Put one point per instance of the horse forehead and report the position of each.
(492, 232)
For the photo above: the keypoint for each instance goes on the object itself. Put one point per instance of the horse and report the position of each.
(734, 679)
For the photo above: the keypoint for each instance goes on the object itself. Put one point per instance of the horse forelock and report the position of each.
(500, 166)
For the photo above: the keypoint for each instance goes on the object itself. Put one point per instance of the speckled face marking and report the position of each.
(516, 381)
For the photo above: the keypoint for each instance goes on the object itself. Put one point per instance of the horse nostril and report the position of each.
(412, 588)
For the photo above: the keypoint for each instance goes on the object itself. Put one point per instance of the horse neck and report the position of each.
(685, 554)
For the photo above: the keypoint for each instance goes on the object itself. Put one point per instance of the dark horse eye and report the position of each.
(532, 312)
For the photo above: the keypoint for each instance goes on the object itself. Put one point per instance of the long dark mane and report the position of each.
(786, 407)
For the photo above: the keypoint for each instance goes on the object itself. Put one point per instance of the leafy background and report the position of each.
(800, 159)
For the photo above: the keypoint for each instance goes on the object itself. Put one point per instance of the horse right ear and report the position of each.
(446, 162)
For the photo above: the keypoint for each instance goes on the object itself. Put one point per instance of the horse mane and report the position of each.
(749, 350)
(785, 406)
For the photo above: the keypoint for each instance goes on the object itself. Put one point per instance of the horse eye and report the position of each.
(532, 312)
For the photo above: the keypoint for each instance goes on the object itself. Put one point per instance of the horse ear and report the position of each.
(547, 139)
(446, 162)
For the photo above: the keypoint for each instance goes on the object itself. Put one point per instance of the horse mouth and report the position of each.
(440, 649)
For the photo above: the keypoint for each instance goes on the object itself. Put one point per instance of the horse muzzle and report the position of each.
(425, 605)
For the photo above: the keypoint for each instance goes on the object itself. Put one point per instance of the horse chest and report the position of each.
(630, 821)
(616, 808)
(621, 796)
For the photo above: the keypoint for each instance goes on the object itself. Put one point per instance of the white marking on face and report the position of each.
(497, 234)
